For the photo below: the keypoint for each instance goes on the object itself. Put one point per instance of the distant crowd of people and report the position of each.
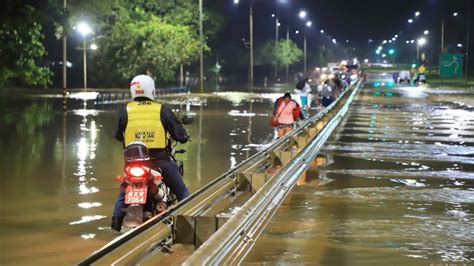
(411, 77)
(287, 111)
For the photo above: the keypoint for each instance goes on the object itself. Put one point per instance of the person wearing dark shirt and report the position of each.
(151, 123)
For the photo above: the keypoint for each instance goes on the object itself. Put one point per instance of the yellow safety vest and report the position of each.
(144, 124)
(421, 69)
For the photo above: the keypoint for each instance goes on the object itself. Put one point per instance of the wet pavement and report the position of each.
(397, 187)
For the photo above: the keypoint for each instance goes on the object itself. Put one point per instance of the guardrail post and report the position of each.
(184, 229)
(313, 169)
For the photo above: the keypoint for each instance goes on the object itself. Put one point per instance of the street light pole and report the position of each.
(84, 30)
(276, 49)
(201, 48)
(288, 44)
(467, 38)
(64, 60)
(64, 52)
(417, 53)
(419, 42)
(308, 24)
(84, 48)
(442, 35)
(251, 44)
(304, 49)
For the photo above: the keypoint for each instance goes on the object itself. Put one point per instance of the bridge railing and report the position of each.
(122, 95)
(261, 182)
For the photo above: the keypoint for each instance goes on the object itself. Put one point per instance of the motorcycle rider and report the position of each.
(151, 123)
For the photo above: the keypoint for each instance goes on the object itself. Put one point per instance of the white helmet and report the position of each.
(142, 86)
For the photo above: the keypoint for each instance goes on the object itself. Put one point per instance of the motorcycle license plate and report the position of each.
(135, 195)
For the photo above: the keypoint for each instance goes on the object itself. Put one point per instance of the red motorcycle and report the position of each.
(146, 195)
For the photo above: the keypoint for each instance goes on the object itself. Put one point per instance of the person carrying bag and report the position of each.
(287, 112)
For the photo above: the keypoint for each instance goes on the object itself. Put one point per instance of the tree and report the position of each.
(266, 54)
(144, 43)
(143, 36)
(21, 48)
(287, 53)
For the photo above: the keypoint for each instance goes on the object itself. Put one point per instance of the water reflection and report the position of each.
(400, 189)
(61, 187)
(86, 148)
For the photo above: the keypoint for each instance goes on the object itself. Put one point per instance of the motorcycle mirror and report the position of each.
(186, 120)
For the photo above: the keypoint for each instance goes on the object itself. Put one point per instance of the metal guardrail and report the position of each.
(236, 237)
(196, 220)
(114, 96)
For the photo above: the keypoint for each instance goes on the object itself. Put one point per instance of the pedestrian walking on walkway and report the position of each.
(286, 111)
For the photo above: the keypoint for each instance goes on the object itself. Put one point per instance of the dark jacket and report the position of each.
(170, 122)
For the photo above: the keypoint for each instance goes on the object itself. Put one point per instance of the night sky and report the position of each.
(356, 21)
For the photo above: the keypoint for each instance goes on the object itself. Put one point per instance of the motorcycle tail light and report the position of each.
(136, 171)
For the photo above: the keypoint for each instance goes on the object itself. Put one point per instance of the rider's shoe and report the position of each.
(117, 223)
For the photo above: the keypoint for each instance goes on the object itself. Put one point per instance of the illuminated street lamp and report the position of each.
(419, 43)
(459, 45)
(93, 46)
(251, 63)
(84, 29)
(308, 24)
(322, 31)
(426, 32)
(302, 14)
(455, 14)
(410, 20)
(417, 13)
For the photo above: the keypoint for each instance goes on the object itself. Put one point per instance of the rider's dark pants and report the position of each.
(171, 178)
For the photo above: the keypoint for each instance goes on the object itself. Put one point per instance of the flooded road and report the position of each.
(57, 170)
(397, 187)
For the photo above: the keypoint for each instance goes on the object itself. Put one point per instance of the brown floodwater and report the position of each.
(397, 187)
(57, 169)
